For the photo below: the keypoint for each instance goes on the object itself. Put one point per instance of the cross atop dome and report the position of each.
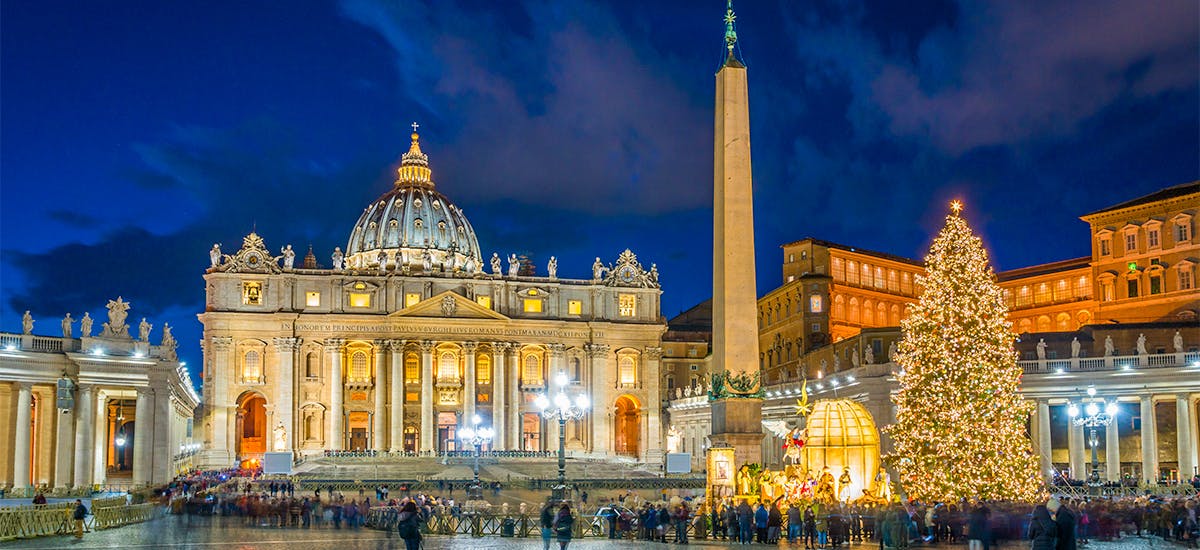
(414, 165)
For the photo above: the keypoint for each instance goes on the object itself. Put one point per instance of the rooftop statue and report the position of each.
(85, 325)
(1178, 342)
(597, 269)
(118, 310)
(1041, 349)
(338, 258)
(1075, 347)
(168, 344)
(552, 267)
(214, 255)
(1109, 348)
(514, 266)
(27, 323)
(496, 264)
(1141, 344)
(144, 330)
(289, 257)
(869, 355)
(66, 325)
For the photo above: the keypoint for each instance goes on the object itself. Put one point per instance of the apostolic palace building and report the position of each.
(412, 332)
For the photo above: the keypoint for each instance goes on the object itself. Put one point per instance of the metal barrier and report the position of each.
(476, 525)
(117, 516)
(22, 522)
(109, 502)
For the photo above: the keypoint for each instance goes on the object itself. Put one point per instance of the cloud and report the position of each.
(570, 112)
(70, 218)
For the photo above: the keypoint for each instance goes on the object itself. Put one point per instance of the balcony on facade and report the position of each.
(1111, 363)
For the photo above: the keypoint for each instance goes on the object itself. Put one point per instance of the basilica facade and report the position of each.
(411, 333)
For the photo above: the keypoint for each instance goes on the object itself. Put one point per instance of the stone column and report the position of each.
(602, 385)
(379, 418)
(222, 445)
(333, 346)
(427, 398)
(555, 366)
(142, 419)
(85, 433)
(499, 381)
(1183, 429)
(651, 380)
(1076, 445)
(1195, 432)
(103, 439)
(1149, 441)
(515, 403)
(1112, 452)
(285, 397)
(1045, 447)
(469, 383)
(64, 449)
(396, 420)
(21, 447)
(160, 432)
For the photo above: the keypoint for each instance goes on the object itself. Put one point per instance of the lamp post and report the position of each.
(1098, 413)
(474, 435)
(562, 408)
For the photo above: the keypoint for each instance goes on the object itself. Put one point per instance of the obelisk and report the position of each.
(736, 408)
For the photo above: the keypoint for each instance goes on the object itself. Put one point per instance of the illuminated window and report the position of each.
(1131, 242)
(1043, 294)
(814, 304)
(839, 270)
(1152, 238)
(1185, 278)
(360, 299)
(312, 299)
(574, 307)
(627, 305)
(1083, 287)
(626, 371)
(412, 397)
(531, 370)
(1106, 291)
(252, 293)
(447, 366)
(412, 369)
(411, 299)
(533, 306)
(852, 273)
(879, 280)
(485, 301)
(1183, 232)
(483, 369)
(252, 366)
(1105, 247)
(359, 369)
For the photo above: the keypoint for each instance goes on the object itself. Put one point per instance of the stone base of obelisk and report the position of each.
(737, 423)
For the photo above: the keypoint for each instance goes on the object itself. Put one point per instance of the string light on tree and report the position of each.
(960, 423)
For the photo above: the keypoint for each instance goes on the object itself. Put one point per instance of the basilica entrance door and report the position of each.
(628, 426)
(359, 428)
(410, 439)
(447, 432)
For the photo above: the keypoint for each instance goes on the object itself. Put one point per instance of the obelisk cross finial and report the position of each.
(730, 34)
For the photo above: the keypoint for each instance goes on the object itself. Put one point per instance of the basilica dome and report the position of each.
(413, 225)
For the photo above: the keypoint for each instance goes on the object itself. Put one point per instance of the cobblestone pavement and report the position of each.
(176, 533)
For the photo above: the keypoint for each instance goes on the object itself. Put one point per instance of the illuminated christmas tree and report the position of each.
(960, 421)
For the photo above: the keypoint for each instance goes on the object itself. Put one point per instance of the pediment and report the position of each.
(449, 305)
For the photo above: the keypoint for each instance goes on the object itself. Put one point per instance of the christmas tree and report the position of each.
(960, 425)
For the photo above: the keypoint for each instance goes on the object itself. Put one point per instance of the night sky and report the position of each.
(136, 134)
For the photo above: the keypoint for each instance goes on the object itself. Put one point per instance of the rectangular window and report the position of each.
(485, 301)
(533, 306)
(412, 369)
(1132, 285)
(627, 305)
(360, 299)
(1182, 235)
(252, 293)
(411, 299)
(814, 304)
(1185, 279)
(1131, 242)
(816, 327)
(412, 397)
(1155, 285)
(1152, 238)
(312, 299)
(574, 307)
(1107, 292)
(1105, 247)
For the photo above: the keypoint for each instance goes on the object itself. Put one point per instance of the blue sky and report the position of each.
(133, 135)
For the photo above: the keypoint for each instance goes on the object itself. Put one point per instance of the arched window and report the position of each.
(359, 368)
(1063, 321)
(447, 366)
(854, 318)
(312, 366)
(531, 371)
(1026, 326)
(894, 318)
(412, 369)
(483, 369)
(252, 366)
(839, 307)
(868, 313)
(1043, 323)
(627, 371)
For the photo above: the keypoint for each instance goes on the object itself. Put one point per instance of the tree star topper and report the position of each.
(956, 206)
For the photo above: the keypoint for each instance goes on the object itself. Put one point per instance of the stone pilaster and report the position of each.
(160, 432)
(220, 403)
(379, 418)
(499, 403)
(1183, 430)
(21, 445)
(333, 347)
(515, 403)
(654, 428)
(396, 419)
(1076, 445)
(285, 401)
(603, 384)
(1149, 441)
(469, 382)
(428, 437)
(142, 421)
(556, 366)
(64, 449)
(85, 435)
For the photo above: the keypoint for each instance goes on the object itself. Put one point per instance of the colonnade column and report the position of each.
(1045, 447)
(512, 357)
(141, 437)
(1149, 441)
(21, 447)
(379, 419)
(221, 446)
(427, 397)
(1112, 452)
(1076, 444)
(651, 379)
(602, 385)
(64, 448)
(336, 417)
(103, 439)
(85, 426)
(160, 433)
(396, 421)
(285, 397)
(1183, 430)
(469, 382)
(499, 386)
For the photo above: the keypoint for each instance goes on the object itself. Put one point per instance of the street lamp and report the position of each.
(561, 407)
(1099, 413)
(474, 435)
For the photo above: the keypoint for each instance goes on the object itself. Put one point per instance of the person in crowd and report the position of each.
(547, 524)
(80, 514)
(409, 525)
(1042, 529)
(745, 521)
(795, 523)
(564, 525)
(1065, 522)
(977, 528)
(774, 523)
